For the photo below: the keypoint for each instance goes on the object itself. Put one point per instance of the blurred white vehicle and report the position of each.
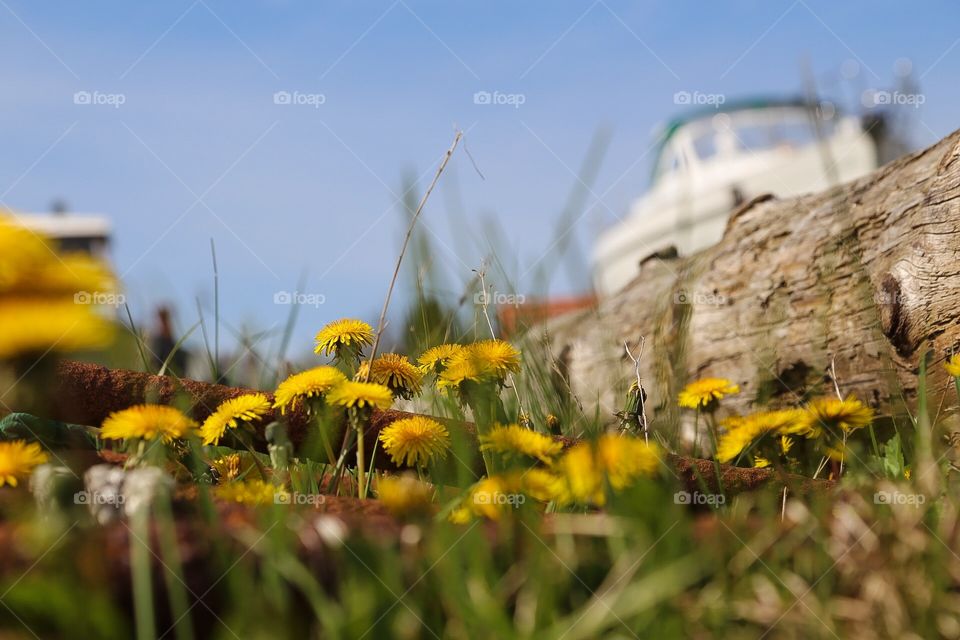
(717, 159)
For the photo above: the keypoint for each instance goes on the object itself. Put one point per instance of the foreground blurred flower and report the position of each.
(312, 383)
(344, 337)
(437, 358)
(18, 460)
(147, 422)
(415, 441)
(619, 460)
(360, 395)
(30, 265)
(252, 492)
(514, 440)
(705, 391)
(246, 408)
(836, 415)
(395, 372)
(48, 301)
(952, 365)
(495, 495)
(489, 497)
(542, 485)
(744, 431)
(38, 325)
(404, 495)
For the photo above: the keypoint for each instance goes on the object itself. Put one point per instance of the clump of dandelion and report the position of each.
(617, 460)
(436, 359)
(514, 440)
(405, 496)
(477, 373)
(415, 441)
(18, 459)
(706, 391)
(147, 422)
(252, 493)
(231, 413)
(344, 339)
(395, 372)
(300, 387)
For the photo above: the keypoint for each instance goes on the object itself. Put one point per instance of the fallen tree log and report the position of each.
(865, 275)
(87, 393)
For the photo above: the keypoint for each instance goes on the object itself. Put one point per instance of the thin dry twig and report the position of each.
(403, 249)
(640, 394)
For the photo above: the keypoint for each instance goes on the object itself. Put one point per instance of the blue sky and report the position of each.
(199, 149)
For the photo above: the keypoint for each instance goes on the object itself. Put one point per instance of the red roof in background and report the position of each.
(515, 317)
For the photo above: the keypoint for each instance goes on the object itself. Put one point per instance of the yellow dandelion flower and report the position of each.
(437, 358)
(701, 393)
(952, 365)
(496, 356)
(624, 459)
(37, 325)
(306, 384)
(227, 467)
(251, 492)
(835, 414)
(249, 407)
(514, 440)
(415, 441)
(22, 250)
(18, 460)
(742, 431)
(148, 422)
(461, 368)
(460, 515)
(360, 395)
(618, 460)
(31, 266)
(395, 372)
(404, 495)
(760, 462)
(70, 275)
(542, 485)
(491, 496)
(484, 361)
(345, 333)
